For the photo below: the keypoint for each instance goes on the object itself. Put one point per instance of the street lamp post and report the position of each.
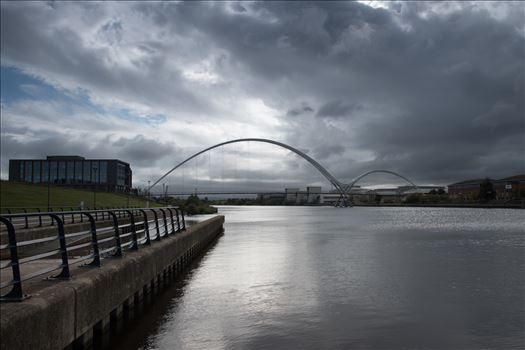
(95, 189)
(48, 186)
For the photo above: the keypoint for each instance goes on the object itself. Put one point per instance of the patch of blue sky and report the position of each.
(14, 83)
(147, 118)
(15, 86)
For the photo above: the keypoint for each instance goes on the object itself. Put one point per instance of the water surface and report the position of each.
(353, 278)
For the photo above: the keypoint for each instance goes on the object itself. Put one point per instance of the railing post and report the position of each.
(146, 226)
(52, 221)
(118, 251)
(72, 216)
(172, 223)
(15, 294)
(64, 274)
(39, 218)
(156, 224)
(135, 245)
(166, 233)
(178, 220)
(94, 241)
(62, 210)
(26, 219)
(183, 220)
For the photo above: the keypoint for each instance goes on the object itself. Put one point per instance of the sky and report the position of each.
(432, 90)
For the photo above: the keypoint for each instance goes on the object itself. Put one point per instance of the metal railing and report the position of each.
(126, 230)
(65, 212)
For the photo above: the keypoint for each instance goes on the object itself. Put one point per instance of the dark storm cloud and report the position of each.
(337, 109)
(432, 90)
(143, 151)
(299, 110)
(323, 152)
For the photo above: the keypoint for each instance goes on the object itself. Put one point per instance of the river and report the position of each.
(352, 278)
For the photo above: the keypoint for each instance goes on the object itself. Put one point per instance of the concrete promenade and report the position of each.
(83, 311)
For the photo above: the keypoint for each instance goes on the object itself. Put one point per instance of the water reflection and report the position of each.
(389, 278)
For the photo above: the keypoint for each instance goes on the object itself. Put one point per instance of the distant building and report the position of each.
(291, 194)
(407, 190)
(313, 194)
(465, 188)
(507, 186)
(271, 196)
(108, 174)
(504, 188)
(301, 198)
(330, 198)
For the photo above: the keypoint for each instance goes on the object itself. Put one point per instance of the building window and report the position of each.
(103, 178)
(54, 167)
(61, 172)
(70, 175)
(36, 171)
(21, 169)
(121, 174)
(95, 172)
(28, 176)
(78, 172)
(45, 171)
(87, 172)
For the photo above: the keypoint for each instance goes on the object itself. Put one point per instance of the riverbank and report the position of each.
(448, 205)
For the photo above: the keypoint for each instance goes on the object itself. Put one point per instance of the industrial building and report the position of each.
(504, 188)
(75, 171)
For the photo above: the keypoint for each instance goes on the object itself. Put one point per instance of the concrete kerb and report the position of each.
(59, 314)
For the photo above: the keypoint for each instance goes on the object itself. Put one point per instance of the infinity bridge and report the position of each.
(343, 189)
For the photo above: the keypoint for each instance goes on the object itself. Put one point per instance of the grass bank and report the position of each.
(19, 195)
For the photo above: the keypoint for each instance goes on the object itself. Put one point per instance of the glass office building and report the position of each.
(108, 174)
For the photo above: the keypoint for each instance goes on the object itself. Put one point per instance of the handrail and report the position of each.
(111, 245)
(26, 221)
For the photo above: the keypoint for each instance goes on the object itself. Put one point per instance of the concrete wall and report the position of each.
(81, 311)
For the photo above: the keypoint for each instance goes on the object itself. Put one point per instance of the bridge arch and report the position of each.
(303, 155)
(355, 180)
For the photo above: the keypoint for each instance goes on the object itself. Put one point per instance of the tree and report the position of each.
(486, 190)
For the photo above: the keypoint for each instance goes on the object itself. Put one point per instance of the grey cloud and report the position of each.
(299, 110)
(142, 151)
(139, 151)
(323, 152)
(337, 109)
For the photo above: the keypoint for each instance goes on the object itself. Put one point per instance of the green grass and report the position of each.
(16, 194)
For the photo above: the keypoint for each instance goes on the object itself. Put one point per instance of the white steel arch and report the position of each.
(310, 160)
(340, 187)
(355, 180)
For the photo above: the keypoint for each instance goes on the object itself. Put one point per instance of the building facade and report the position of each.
(313, 195)
(107, 174)
(506, 188)
(291, 195)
